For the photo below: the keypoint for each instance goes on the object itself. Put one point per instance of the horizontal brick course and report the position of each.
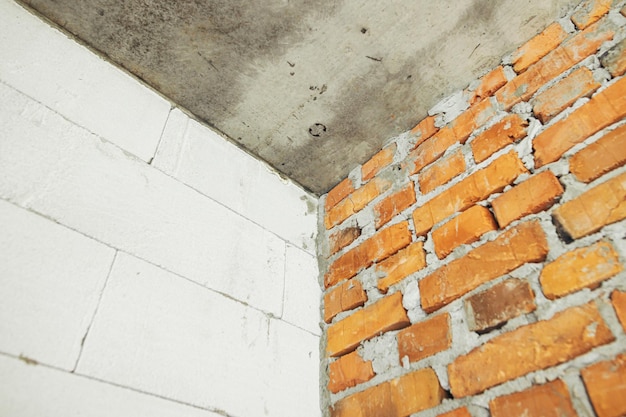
(338, 193)
(507, 131)
(401, 265)
(349, 371)
(538, 47)
(378, 162)
(355, 202)
(548, 400)
(347, 296)
(441, 172)
(489, 84)
(606, 386)
(394, 204)
(600, 157)
(426, 338)
(590, 11)
(424, 130)
(343, 238)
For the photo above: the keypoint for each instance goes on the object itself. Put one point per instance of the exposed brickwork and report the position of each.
(426, 338)
(614, 59)
(473, 118)
(467, 227)
(618, 298)
(343, 238)
(489, 84)
(538, 47)
(441, 172)
(602, 156)
(509, 130)
(355, 202)
(424, 130)
(378, 162)
(394, 204)
(459, 412)
(338, 193)
(401, 265)
(606, 385)
(548, 400)
(347, 296)
(348, 371)
(590, 11)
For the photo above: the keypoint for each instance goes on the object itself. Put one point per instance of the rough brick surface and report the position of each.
(614, 60)
(401, 265)
(602, 156)
(618, 298)
(343, 238)
(536, 194)
(554, 100)
(507, 131)
(548, 400)
(431, 149)
(478, 186)
(380, 246)
(589, 212)
(399, 397)
(426, 338)
(338, 193)
(489, 84)
(459, 412)
(604, 109)
(441, 172)
(581, 268)
(606, 386)
(347, 296)
(377, 162)
(499, 304)
(394, 204)
(538, 47)
(424, 130)
(517, 246)
(465, 228)
(349, 371)
(540, 345)
(384, 315)
(590, 11)
(355, 202)
(473, 118)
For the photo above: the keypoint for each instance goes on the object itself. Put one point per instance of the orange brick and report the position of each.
(338, 193)
(385, 315)
(429, 151)
(614, 60)
(466, 193)
(399, 397)
(473, 118)
(538, 47)
(600, 157)
(441, 172)
(554, 100)
(355, 202)
(517, 246)
(618, 299)
(589, 212)
(424, 129)
(578, 269)
(499, 304)
(509, 130)
(489, 84)
(467, 227)
(604, 109)
(377, 248)
(401, 265)
(343, 238)
(590, 11)
(536, 194)
(349, 371)
(606, 385)
(347, 296)
(424, 339)
(548, 400)
(540, 345)
(394, 204)
(378, 162)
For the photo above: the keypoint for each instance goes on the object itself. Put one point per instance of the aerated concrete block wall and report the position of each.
(147, 266)
(475, 266)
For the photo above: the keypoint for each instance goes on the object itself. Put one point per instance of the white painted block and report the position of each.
(35, 391)
(50, 283)
(49, 165)
(65, 76)
(197, 156)
(302, 291)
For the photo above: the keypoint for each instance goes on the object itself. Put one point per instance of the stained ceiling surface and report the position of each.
(313, 87)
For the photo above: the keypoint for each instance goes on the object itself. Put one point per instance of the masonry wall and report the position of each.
(475, 265)
(147, 266)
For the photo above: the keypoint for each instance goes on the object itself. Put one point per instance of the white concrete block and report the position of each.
(65, 76)
(53, 167)
(302, 291)
(207, 162)
(35, 391)
(50, 284)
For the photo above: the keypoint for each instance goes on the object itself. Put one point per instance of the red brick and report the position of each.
(343, 238)
(355, 202)
(338, 193)
(466, 228)
(430, 150)
(538, 47)
(604, 109)
(600, 157)
(377, 248)
(489, 84)
(548, 400)
(385, 315)
(424, 130)
(618, 299)
(540, 345)
(349, 371)
(424, 339)
(590, 11)
(478, 186)
(378, 162)
(441, 172)
(536, 194)
(459, 412)
(499, 304)
(614, 60)
(509, 130)
(473, 118)
(606, 386)
(400, 397)
(347, 296)
(401, 265)
(592, 210)
(394, 204)
(557, 98)
(515, 247)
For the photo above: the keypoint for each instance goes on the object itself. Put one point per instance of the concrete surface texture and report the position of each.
(312, 87)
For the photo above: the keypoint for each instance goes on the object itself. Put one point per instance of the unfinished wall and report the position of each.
(475, 266)
(147, 266)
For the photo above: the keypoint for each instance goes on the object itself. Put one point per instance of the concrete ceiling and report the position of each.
(312, 87)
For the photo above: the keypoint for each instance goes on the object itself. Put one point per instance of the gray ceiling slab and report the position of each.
(312, 87)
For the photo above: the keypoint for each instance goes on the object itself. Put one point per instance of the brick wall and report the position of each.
(475, 266)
